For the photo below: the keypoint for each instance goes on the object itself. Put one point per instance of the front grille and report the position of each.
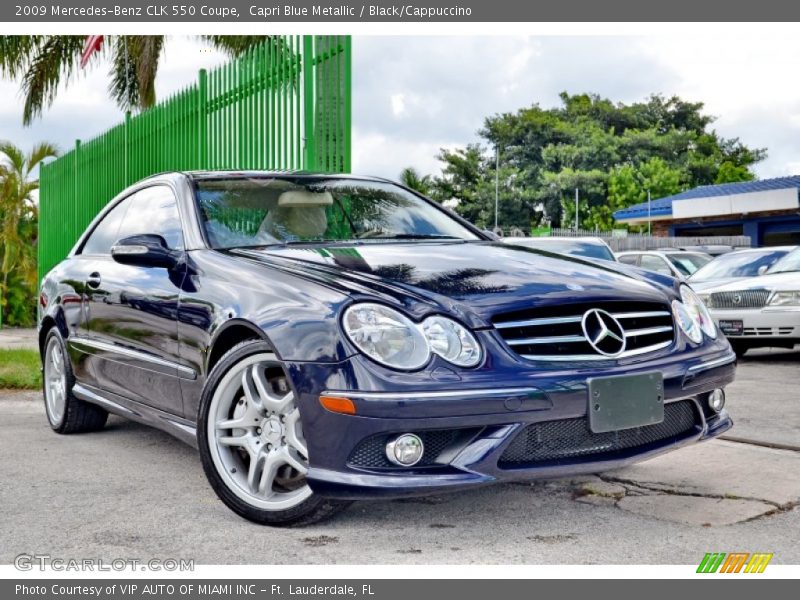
(739, 299)
(555, 333)
(766, 331)
(371, 452)
(569, 439)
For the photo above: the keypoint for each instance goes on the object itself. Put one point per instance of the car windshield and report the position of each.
(573, 248)
(688, 263)
(737, 264)
(789, 263)
(245, 212)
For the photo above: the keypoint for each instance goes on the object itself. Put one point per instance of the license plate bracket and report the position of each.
(731, 327)
(625, 401)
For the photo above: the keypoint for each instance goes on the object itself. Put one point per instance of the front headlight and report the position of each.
(697, 309)
(687, 322)
(390, 338)
(386, 336)
(452, 341)
(785, 299)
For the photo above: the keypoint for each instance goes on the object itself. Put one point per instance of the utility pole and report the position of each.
(496, 183)
(576, 210)
(648, 213)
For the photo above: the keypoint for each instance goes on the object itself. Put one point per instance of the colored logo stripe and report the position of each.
(734, 562)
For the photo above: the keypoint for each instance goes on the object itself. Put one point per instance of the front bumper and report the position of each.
(492, 416)
(767, 323)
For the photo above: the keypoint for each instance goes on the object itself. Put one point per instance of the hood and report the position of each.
(468, 279)
(702, 286)
(789, 281)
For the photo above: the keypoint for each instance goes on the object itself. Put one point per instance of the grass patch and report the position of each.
(20, 369)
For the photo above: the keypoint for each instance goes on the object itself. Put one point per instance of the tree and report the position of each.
(44, 62)
(18, 230)
(612, 152)
(411, 178)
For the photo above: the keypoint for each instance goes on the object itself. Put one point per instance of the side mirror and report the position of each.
(146, 250)
(491, 234)
(763, 269)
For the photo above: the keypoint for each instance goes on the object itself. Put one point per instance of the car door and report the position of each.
(132, 310)
(652, 262)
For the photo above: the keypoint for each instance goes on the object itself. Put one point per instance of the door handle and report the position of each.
(94, 280)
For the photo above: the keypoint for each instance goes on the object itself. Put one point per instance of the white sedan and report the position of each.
(760, 311)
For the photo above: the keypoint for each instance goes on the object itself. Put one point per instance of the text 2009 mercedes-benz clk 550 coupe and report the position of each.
(328, 338)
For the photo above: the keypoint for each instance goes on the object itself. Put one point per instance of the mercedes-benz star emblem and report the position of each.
(603, 332)
(737, 299)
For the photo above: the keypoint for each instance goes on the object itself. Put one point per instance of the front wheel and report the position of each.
(252, 443)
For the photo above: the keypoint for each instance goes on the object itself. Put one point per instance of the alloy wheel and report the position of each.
(55, 380)
(255, 435)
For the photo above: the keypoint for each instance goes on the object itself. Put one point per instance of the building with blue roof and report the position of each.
(767, 210)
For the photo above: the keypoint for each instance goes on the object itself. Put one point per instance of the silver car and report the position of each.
(760, 311)
(737, 265)
(586, 247)
(677, 263)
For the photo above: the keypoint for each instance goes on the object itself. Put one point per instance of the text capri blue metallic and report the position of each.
(329, 338)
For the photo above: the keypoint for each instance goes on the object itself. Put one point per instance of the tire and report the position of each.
(65, 413)
(248, 387)
(740, 348)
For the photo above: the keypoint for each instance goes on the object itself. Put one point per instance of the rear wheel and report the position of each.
(252, 443)
(65, 412)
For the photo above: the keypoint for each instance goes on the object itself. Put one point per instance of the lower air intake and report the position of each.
(570, 439)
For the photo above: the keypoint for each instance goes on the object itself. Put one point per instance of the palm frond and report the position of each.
(14, 157)
(16, 52)
(134, 65)
(52, 63)
(40, 152)
(234, 45)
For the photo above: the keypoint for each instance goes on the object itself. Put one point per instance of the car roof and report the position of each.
(556, 238)
(246, 174)
(662, 251)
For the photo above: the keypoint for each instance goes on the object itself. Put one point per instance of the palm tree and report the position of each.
(18, 216)
(411, 178)
(44, 62)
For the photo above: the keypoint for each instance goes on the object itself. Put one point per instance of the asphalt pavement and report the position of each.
(131, 491)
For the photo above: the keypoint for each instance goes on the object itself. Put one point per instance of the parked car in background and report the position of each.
(677, 263)
(739, 264)
(761, 311)
(713, 250)
(326, 338)
(587, 247)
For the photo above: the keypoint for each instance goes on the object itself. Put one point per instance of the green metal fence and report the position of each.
(285, 105)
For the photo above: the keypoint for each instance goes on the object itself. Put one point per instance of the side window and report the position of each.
(105, 233)
(154, 210)
(655, 263)
(628, 259)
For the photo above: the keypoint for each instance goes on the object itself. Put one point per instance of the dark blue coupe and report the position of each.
(328, 338)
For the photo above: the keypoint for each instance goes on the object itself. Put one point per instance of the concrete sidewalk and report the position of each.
(18, 338)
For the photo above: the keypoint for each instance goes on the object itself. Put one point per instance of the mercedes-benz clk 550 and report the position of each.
(322, 339)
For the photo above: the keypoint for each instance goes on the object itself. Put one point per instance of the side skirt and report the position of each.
(183, 429)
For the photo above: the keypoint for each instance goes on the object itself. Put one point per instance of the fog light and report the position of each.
(405, 450)
(716, 400)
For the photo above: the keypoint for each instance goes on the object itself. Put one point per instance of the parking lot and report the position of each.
(130, 491)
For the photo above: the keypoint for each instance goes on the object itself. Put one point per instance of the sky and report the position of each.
(415, 95)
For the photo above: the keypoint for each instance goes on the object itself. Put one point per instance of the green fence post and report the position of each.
(127, 147)
(308, 103)
(202, 119)
(348, 105)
